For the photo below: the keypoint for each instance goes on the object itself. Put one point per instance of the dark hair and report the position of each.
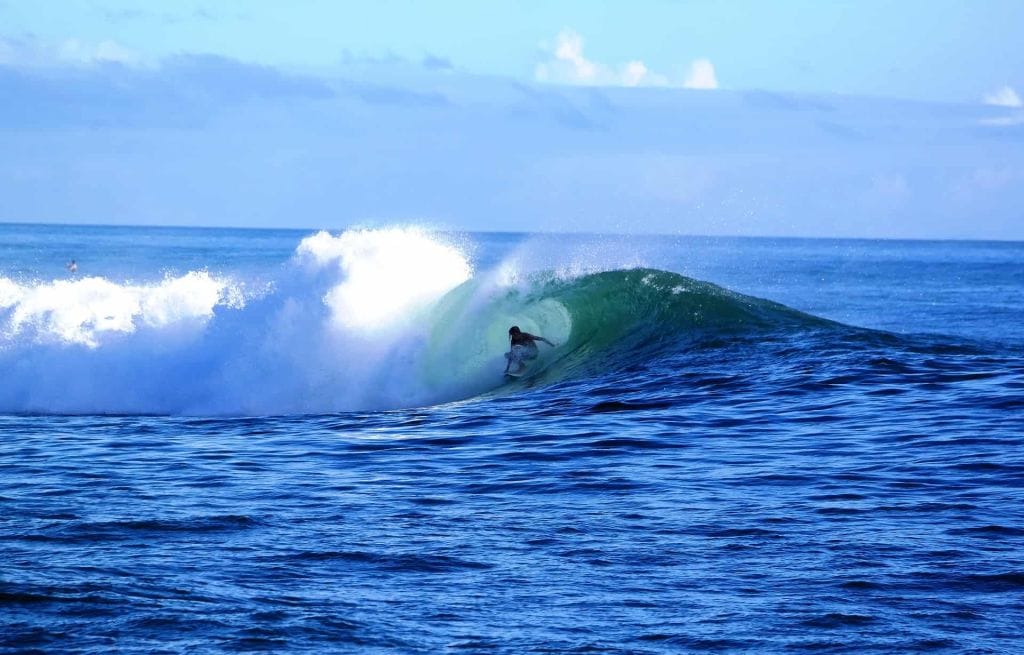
(514, 329)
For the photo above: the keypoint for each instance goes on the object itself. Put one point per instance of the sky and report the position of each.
(838, 118)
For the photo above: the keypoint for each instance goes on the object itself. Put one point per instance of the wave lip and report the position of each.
(603, 321)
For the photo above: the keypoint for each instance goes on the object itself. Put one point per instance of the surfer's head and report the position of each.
(514, 329)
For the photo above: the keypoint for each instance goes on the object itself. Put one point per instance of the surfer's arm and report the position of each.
(542, 339)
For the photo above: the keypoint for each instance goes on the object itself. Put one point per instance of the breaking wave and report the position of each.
(364, 320)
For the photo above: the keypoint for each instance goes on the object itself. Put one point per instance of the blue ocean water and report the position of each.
(236, 441)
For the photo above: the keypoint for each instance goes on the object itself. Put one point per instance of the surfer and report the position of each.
(72, 267)
(523, 348)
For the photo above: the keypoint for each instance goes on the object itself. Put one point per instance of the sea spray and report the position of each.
(335, 329)
(386, 275)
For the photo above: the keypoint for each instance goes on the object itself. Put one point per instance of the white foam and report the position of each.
(388, 274)
(83, 311)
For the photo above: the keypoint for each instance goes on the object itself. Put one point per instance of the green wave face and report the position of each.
(598, 321)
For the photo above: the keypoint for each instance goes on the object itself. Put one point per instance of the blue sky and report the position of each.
(797, 118)
(950, 50)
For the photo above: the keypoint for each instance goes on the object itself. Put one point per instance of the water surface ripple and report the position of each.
(800, 493)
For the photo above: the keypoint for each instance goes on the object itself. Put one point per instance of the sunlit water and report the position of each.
(217, 440)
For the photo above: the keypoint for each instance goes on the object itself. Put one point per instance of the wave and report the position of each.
(364, 320)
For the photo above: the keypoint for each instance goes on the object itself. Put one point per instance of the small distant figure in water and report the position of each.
(523, 349)
(72, 267)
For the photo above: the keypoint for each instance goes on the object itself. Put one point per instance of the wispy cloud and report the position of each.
(984, 182)
(1005, 121)
(32, 52)
(1004, 97)
(380, 94)
(889, 186)
(435, 63)
(108, 51)
(123, 15)
(567, 64)
(577, 113)
(1008, 98)
(199, 14)
(179, 91)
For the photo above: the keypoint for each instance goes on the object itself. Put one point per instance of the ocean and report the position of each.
(218, 440)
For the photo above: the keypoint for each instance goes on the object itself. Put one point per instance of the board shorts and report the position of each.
(521, 353)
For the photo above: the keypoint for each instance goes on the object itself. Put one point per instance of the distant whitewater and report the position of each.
(367, 319)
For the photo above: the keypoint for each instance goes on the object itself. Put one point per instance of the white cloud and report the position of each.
(1004, 97)
(569, 50)
(568, 65)
(634, 73)
(78, 52)
(34, 52)
(702, 75)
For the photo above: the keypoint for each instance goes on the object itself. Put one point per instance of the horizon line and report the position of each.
(438, 228)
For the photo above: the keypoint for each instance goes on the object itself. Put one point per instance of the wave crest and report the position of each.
(364, 320)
